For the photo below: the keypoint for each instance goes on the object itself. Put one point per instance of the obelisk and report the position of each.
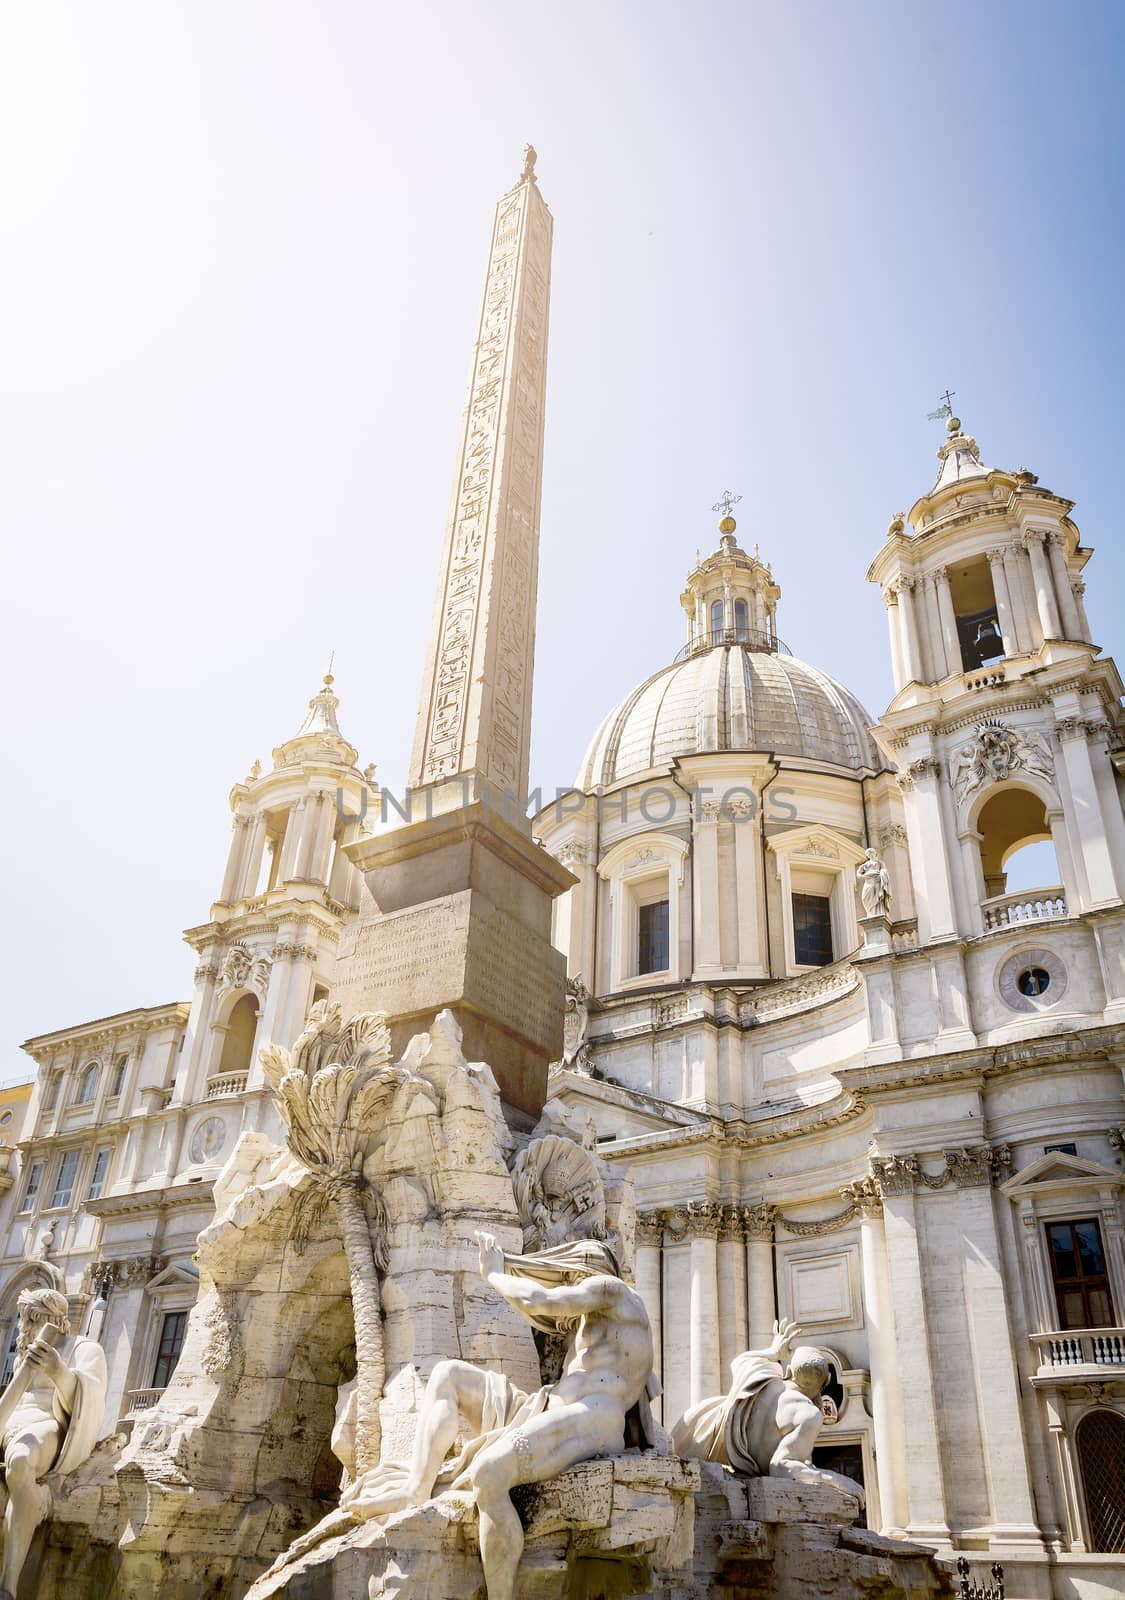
(474, 720)
(463, 892)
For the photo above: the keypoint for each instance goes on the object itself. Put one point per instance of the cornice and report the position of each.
(179, 1195)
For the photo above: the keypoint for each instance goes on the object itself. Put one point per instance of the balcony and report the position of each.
(1033, 905)
(1079, 1353)
(225, 1084)
(752, 638)
(141, 1400)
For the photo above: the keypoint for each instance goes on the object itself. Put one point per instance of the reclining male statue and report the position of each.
(516, 1438)
(50, 1416)
(767, 1423)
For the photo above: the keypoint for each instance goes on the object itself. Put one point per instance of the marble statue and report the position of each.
(597, 1407)
(874, 884)
(768, 1422)
(576, 1022)
(50, 1416)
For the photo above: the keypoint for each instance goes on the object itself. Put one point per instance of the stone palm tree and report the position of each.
(332, 1092)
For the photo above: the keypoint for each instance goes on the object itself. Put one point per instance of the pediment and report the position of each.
(816, 841)
(180, 1275)
(1057, 1171)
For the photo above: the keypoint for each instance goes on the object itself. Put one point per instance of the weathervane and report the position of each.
(945, 409)
(726, 502)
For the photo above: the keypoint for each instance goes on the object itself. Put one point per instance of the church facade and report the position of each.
(858, 1079)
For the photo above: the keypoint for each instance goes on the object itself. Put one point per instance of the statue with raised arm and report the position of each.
(768, 1422)
(597, 1406)
(874, 884)
(50, 1416)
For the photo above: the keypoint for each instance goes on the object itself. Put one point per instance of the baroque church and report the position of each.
(856, 1078)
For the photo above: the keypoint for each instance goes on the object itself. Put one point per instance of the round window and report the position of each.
(1032, 980)
(5, 1119)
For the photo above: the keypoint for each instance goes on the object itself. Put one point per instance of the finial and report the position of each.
(530, 157)
(726, 504)
(945, 409)
(953, 425)
(329, 680)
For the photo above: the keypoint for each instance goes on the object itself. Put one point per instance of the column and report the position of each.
(1003, 601)
(911, 645)
(1086, 821)
(749, 875)
(1080, 605)
(704, 1373)
(948, 619)
(705, 886)
(1044, 589)
(322, 844)
(924, 1483)
(233, 874)
(252, 863)
(733, 1327)
(928, 860)
(314, 817)
(1013, 569)
(894, 623)
(1056, 550)
(761, 1294)
(291, 844)
(886, 1396)
(646, 1271)
(676, 1318)
(997, 1382)
(933, 645)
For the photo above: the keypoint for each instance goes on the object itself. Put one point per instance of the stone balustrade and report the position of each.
(1034, 905)
(225, 1084)
(142, 1400)
(1079, 1347)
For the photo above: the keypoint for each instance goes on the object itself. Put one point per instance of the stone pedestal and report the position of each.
(612, 1528)
(463, 921)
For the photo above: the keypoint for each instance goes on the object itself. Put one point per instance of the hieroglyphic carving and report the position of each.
(476, 698)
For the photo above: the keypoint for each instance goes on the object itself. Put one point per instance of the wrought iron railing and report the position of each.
(751, 638)
(142, 1400)
(1034, 905)
(980, 1591)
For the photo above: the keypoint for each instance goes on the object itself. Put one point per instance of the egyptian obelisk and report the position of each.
(463, 893)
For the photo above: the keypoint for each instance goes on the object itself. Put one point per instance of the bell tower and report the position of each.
(1005, 719)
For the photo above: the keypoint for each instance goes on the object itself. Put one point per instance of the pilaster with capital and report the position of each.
(705, 884)
(911, 638)
(930, 865)
(1018, 574)
(1071, 621)
(648, 1239)
(761, 1298)
(894, 625)
(734, 1328)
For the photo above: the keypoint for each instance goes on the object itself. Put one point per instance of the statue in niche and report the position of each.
(597, 1407)
(768, 1422)
(874, 884)
(50, 1416)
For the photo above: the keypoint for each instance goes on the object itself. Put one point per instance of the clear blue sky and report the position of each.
(243, 247)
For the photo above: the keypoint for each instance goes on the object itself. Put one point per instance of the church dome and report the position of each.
(731, 697)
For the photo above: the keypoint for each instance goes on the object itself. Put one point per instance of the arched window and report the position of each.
(10, 1354)
(87, 1085)
(1017, 857)
(741, 620)
(1100, 1440)
(238, 1046)
(716, 617)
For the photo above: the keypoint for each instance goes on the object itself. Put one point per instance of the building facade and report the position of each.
(900, 1122)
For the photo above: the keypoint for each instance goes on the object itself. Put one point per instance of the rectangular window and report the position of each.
(10, 1354)
(171, 1343)
(98, 1176)
(1078, 1270)
(117, 1083)
(652, 937)
(64, 1184)
(53, 1088)
(31, 1186)
(1062, 1149)
(812, 930)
